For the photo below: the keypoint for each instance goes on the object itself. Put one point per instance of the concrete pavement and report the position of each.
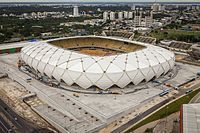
(107, 108)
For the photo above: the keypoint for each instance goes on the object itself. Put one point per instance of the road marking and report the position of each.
(2, 129)
(3, 125)
(11, 116)
(198, 99)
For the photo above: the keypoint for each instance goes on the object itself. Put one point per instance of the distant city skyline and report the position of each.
(98, 1)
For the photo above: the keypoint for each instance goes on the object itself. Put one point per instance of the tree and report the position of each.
(2, 38)
(165, 34)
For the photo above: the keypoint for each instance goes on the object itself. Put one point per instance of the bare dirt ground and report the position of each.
(180, 57)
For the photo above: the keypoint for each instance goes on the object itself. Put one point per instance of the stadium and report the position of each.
(96, 61)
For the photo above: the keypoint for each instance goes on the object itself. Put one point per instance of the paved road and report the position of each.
(139, 117)
(196, 99)
(4, 126)
(22, 125)
(143, 115)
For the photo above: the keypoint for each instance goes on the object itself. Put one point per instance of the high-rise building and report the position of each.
(112, 15)
(137, 17)
(198, 7)
(195, 7)
(133, 7)
(75, 12)
(125, 14)
(130, 15)
(156, 7)
(149, 19)
(105, 15)
(120, 15)
(139, 20)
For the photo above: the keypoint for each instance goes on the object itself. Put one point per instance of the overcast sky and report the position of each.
(99, 0)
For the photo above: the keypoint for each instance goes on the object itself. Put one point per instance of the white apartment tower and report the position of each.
(75, 12)
(130, 15)
(145, 21)
(105, 15)
(133, 7)
(137, 18)
(149, 19)
(120, 15)
(156, 7)
(112, 15)
(125, 14)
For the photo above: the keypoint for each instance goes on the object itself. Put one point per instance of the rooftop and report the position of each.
(191, 118)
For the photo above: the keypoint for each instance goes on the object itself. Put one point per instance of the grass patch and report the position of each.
(179, 35)
(167, 110)
(149, 130)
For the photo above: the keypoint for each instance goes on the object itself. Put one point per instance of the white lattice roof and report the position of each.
(103, 72)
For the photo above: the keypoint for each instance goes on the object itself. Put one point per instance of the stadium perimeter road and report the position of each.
(4, 126)
(20, 123)
(196, 99)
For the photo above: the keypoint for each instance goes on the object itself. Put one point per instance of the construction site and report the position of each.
(62, 109)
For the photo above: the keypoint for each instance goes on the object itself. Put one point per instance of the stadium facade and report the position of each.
(124, 61)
